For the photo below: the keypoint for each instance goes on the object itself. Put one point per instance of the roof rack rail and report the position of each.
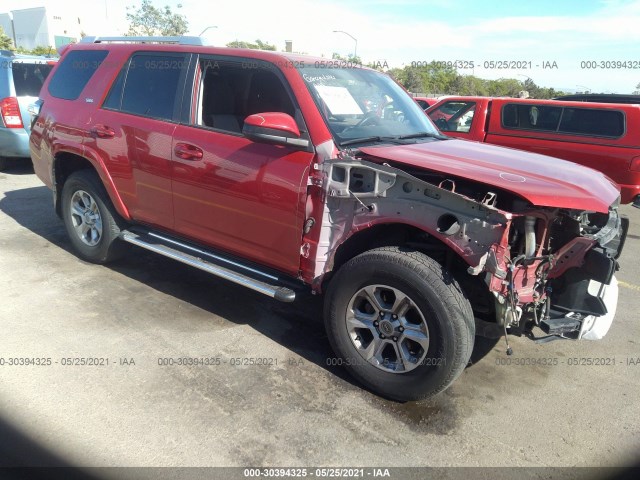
(181, 40)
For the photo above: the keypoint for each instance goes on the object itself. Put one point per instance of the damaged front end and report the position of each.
(556, 271)
(521, 266)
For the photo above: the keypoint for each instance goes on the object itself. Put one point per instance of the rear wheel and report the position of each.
(399, 322)
(92, 223)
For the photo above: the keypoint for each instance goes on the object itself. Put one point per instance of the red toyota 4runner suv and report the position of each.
(280, 172)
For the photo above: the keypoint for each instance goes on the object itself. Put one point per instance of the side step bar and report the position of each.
(177, 251)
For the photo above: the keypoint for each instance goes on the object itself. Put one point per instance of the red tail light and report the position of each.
(10, 111)
(635, 164)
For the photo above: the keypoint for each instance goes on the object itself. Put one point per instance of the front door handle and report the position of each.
(102, 131)
(187, 152)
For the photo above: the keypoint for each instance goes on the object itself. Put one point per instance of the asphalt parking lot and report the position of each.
(297, 410)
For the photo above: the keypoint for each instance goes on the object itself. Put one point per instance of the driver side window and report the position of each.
(454, 116)
(228, 93)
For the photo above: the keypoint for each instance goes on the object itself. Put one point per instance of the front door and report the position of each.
(229, 192)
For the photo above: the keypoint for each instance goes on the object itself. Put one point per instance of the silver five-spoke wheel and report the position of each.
(85, 217)
(387, 328)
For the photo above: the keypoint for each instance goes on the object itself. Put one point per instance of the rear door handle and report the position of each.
(187, 152)
(102, 131)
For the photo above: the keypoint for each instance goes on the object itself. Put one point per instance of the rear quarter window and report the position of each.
(74, 72)
(29, 77)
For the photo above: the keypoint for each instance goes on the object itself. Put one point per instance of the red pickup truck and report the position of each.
(603, 136)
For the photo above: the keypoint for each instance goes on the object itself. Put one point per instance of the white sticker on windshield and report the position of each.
(339, 101)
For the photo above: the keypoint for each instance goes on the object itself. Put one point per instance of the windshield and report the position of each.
(366, 105)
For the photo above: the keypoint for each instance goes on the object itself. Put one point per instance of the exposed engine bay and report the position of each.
(520, 265)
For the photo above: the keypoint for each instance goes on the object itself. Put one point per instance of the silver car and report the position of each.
(21, 78)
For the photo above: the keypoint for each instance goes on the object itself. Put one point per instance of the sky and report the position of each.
(560, 35)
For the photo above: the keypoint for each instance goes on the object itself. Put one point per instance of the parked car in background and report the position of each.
(281, 174)
(21, 78)
(425, 102)
(603, 136)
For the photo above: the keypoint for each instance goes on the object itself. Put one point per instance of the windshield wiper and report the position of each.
(420, 135)
(392, 139)
(366, 139)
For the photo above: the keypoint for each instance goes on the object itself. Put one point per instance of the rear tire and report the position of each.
(399, 323)
(92, 223)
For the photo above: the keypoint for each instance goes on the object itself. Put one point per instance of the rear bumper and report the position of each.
(14, 142)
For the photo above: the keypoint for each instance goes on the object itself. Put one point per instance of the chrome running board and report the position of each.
(177, 250)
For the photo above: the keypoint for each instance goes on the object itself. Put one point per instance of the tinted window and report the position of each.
(29, 77)
(607, 123)
(531, 117)
(114, 99)
(151, 85)
(74, 72)
(582, 121)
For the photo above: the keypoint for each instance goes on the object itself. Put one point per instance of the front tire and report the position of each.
(92, 223)
(399, 323)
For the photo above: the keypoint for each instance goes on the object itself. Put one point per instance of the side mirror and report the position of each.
(274, 127)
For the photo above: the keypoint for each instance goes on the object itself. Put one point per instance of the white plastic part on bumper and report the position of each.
(595, 328)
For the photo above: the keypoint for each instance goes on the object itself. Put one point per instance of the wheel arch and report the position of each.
(400, 234)
(390, 234)
(65, 163)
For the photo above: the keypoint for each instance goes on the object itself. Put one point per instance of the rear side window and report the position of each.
(148, 86)
(29, 77)
(531, 117)
(567, 120)
(74, 72)
(602, 123)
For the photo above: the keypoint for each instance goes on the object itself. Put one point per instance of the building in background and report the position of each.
(41, 26)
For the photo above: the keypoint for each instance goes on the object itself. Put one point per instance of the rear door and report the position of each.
(133, 130)
(245, 197)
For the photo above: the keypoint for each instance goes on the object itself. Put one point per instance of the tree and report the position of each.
(351, 58)
(5, 41)
(41, 50)
(259, 45)
(148, 20)
(504, 87)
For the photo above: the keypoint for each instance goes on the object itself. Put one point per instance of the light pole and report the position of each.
(355, 49)
(525, 76)
(212, 26)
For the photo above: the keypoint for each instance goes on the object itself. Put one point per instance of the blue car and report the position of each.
(21, 78)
